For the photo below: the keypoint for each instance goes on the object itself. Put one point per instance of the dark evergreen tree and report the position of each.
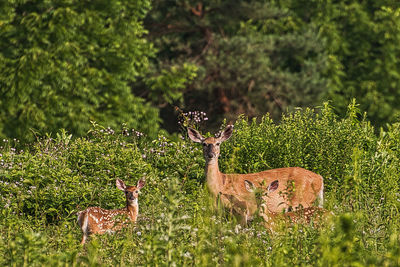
(252, 57)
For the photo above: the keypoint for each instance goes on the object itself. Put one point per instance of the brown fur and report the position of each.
(95, 220)
(297, 186)
(316, 215)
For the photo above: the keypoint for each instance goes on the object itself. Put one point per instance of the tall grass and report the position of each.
(44, 186)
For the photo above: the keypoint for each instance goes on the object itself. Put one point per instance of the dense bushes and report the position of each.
(316, 141)
(41, 189)
(49, 182)
(65, 63)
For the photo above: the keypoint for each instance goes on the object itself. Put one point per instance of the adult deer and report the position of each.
(272, 219)
(95, 220)
(297, 186)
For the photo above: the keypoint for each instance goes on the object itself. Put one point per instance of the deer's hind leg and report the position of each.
(83, 223)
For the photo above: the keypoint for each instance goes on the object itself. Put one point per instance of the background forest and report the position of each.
(66, 63)
(91, 91)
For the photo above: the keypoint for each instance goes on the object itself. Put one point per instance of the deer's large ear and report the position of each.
(273, 186)
(195, 136)
(249, 186)
(226, 133)
(141, 183)
(120, 185)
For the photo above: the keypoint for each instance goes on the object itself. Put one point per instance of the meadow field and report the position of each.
(44, 185)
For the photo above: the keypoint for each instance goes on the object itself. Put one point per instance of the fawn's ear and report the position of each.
(273, 186)
(226, 134)
(249, 186)
(141, 183)
(195, 136)
(120, 184)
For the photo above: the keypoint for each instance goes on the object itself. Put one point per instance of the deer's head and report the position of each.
(211, 145)
(131, 192)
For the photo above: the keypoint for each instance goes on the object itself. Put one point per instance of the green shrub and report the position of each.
(56, 179)
(42, 188)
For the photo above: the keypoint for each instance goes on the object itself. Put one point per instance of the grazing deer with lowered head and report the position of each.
(95, 220)
(304, 187)
(272, 219)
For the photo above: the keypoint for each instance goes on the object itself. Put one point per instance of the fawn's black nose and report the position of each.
(130, 196)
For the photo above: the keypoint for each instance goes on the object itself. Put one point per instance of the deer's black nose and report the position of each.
(211, 154)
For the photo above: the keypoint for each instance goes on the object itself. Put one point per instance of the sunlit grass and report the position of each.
(43, 188)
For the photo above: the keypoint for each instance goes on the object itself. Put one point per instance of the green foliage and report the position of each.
(361, 38)
(370, 58)
(166, 86)
(301, 139)
(56, 179)
(252, 57)
(270, 56)
(65, 63)
(41, 189)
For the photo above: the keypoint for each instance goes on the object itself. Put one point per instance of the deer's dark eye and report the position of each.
(218, 144)
(204, 144)
(136, 191)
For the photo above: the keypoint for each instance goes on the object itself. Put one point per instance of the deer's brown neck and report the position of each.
(214, 177)
(132, 211)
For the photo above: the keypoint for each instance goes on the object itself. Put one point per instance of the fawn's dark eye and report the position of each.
(204, 144)
(218, 144)
(136, 191)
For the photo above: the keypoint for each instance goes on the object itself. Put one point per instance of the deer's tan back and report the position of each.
(297, 187)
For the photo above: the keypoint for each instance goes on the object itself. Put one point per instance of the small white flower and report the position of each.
(237, 228)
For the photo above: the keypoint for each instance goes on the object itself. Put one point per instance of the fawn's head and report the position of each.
(253, 189)
(267, 197)
(131, 192)
(211, 145)
(260, 192)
